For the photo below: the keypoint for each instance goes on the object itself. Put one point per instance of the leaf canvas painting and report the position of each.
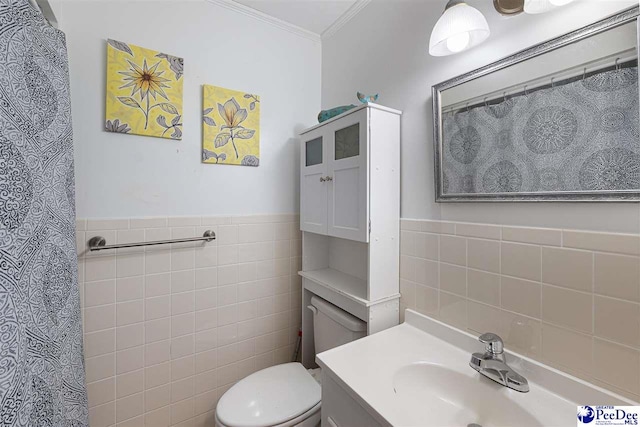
(230, 127)
(144, 91)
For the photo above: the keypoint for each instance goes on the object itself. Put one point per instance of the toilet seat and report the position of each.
(282, 395)
(311, 418)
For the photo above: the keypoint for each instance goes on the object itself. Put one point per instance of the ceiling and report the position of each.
(312, 15)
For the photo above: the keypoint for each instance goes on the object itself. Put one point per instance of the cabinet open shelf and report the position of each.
(347, 292)
(344, 284)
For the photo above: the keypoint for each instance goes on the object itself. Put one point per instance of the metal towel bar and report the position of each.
(99, 243)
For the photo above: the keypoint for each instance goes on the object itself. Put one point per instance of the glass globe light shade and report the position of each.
(459, 28)
(539, 6)
(458, 42)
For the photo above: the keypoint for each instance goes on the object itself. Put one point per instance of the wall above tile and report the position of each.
(128, 176)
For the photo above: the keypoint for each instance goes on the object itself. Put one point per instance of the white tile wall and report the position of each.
(168, 329)
(568, 298)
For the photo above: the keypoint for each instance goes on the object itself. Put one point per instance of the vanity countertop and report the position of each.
(418, 374)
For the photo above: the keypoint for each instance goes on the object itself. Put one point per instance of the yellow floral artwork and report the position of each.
(230, 127)
(144, 91)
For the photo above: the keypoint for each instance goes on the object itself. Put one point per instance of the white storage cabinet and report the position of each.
(350, 217)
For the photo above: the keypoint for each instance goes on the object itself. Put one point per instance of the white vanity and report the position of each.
(418, 374)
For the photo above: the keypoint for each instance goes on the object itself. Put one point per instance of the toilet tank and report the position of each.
(333, 326)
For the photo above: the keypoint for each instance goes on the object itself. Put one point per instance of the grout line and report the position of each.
(500, 274)
(610, 341)
(593, 297)
(144, 336)
(466, 270)
(541, 301)
(115, 344)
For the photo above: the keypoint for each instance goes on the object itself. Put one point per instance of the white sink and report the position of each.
(457, 399)
(418, 374)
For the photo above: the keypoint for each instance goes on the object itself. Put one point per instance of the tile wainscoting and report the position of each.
(568, 298)
(168, 329)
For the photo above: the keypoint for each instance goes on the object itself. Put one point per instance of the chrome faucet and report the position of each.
(492, 364)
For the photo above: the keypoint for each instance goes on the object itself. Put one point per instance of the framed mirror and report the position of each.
(555, 122)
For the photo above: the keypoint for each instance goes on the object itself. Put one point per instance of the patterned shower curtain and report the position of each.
(578, 136)
(41, 364)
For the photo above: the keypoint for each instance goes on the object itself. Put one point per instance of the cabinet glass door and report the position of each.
(347, 142)
(348, 193)
(313, 186)
(313, 152)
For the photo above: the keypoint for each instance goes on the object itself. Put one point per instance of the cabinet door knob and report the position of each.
(329, 178)
(322, 179)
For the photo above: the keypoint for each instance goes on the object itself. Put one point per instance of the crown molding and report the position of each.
(345, 17)
(256, 14)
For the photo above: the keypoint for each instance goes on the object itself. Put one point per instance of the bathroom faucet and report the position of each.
(492, 364)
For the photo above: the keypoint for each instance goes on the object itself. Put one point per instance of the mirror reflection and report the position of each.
(563, 122)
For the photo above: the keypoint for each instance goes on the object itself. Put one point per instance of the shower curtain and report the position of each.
(41, 364)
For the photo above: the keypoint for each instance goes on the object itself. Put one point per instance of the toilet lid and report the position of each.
(269, 397)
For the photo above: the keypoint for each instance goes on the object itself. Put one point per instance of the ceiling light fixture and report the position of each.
(560, 2)
(508, 7)
(542, 6)
(459, 28)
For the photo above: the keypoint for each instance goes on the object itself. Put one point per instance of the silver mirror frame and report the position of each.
(616, 20)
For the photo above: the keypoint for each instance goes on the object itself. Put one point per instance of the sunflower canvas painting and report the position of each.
(144, 91)
(230, 127)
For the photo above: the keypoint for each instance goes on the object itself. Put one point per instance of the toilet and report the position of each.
(288, 395)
